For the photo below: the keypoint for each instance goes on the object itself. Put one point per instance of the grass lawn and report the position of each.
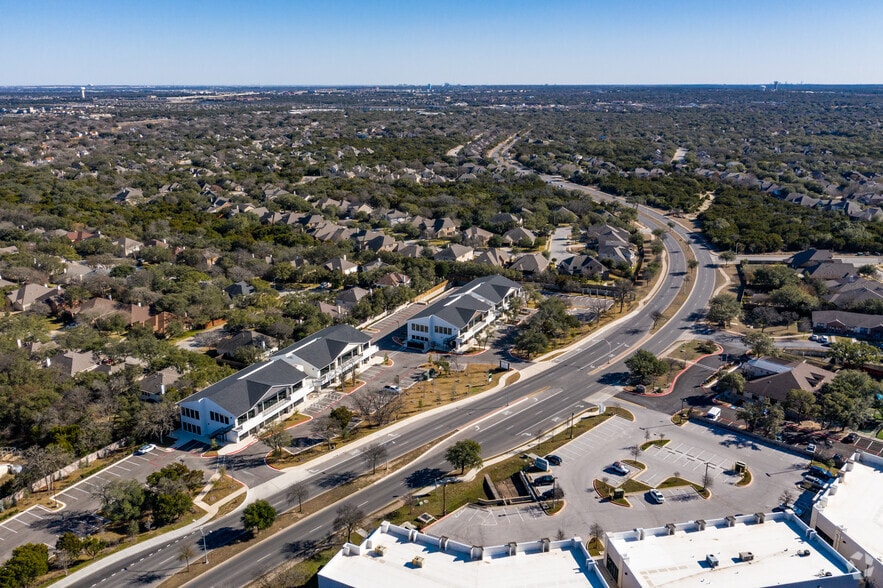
(745, 479)
(632, 486)
(657, 442)
(223, 487)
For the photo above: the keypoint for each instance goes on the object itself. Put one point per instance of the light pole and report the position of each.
(204, 550)
(571, 425)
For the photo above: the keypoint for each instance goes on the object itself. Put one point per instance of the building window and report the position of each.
(419, 328)
(444, 330)
(196, 429)
(219, 418)
(190, 413)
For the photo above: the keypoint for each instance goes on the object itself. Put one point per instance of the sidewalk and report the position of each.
(295, 474)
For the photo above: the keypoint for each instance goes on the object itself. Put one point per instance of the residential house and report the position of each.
(851, 324)
(30, 294)
(130, 196)
(831, 270)
(585, 266)
(505, 218)
(850, 292)
(411, 250)
(239, 289)
(100, 308)
(77, 236)
(454, 252)
(453, 321)
(476, 236)
(129, 247)
(809, 257)
(496, 257)
(530, 264)
(350, 297)
(435, 228)
(229, 347)
(340, 264)
(517, 235)
(393, 280)
(335, 312)
(70, 363)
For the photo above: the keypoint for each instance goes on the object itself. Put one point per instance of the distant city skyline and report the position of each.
(385, 42)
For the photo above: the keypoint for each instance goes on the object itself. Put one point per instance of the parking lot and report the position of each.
(42, 525)
(690, 450)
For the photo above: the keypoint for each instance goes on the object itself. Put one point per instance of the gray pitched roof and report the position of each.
(479, 295)
(323, 347)
(244, 389)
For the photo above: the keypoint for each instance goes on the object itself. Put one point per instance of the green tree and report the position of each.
(122, 500)
(646, 367)
(802, 403)
(28, 562)
(727, 257)
(760, 344)
(531, 341)
(342, 415)
(723, 309)
(732, 382)
(464, 454)
(794, 297)
(258, 515)
(853, 354)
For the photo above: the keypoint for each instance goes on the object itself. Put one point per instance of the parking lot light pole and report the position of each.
(571, 425)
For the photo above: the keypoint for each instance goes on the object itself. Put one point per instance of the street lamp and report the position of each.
(204, 550)
(571, 425)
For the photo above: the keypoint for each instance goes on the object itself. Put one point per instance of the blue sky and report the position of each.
(319, 42)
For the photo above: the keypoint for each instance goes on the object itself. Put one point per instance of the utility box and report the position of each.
(740, 467)
(712, 560)
(618, 493)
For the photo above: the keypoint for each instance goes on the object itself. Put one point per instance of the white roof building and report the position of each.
(849, 515)
(775, 549)
(396, 556)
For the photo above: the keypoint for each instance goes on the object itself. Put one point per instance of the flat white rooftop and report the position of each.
(779, 549)
(563, 565)
(857, 505)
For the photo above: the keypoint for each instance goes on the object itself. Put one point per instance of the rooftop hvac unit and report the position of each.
(417, 562)
(380, 550)
(712, 560)
(746, 556)
(803, 552)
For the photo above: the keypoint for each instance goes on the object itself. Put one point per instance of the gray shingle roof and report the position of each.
(323, 347)
(245, 389)
(479, 295)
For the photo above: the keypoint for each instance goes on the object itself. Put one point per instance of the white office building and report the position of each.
(849, 515)
(450, 323)
(397, 556)
(775, 549)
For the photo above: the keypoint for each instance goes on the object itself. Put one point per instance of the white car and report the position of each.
(391, 388)
(620, 468)
(657, 496)
(145, 449)
(811, 447)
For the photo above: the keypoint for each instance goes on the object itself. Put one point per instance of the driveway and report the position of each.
(559, 243)
(690, 450)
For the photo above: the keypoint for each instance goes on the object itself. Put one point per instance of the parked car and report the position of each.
(620, 468)
(553, 459)
(824, 339)
(391, 388)
(145, 449)
(813, 337)
(544, 480)
(851, 438)
(656, 496)
(811, 447)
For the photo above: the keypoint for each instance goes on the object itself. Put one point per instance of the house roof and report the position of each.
(452, 252)
(517, 234)
(831, 270)
(71, 363)
(803, 376)
(478, 296)
(323, 347)
(351, 296)
(848, 319)
(29, 294)
(244, 389)
(496, 257)
(581, 264)
(808, 257)
(239, 289)
(530, 263)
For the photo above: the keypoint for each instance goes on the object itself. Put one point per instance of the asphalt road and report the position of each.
(500, 422)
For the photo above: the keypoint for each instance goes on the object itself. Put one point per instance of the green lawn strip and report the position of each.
(635, 464)
(673, 482)
(658, 442)
(633, 486)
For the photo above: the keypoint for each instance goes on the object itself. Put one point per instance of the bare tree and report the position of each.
(596, 533)
(378, 407)
(326, 428)
(276, 437)
(656, 316)
(347, 517)
(186, 553)
(786, 498)
(375, 454)
(635, 451)
(299, 491)
(156, 420)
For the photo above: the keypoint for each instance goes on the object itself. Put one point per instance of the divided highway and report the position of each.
(501, 422)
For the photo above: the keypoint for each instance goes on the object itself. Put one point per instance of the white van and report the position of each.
(713, 413)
